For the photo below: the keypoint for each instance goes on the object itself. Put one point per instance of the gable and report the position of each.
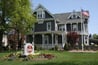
(44, 11)
(74, 15)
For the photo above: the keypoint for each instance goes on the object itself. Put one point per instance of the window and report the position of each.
(74, 27)
(74, 16)
(79, 27)
(48, 26)
(46, 39)
(68, 26)
(40, 14)
(61, 27)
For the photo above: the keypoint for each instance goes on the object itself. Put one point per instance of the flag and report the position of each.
(85, 13)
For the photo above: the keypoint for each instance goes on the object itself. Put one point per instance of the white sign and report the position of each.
(28, 49)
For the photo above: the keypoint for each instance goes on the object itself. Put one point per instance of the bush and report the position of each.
(66, 46)
(37, 47)
(56, 47)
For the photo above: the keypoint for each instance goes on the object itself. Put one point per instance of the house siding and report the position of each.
(43, 27)
(47, 15)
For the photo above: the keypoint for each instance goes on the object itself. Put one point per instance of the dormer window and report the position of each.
(74, 15)
(40, 14)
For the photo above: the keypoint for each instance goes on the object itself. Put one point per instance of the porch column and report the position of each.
(56, 40)
(66, 38)
(63, 40)
(71, 27)
(52, 39)
(77, 26)
(87, 39)
(33, 37)
(43, 36)
(84, 40)
(83, 28)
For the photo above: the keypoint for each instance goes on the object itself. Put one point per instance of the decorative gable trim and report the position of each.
(73, 15)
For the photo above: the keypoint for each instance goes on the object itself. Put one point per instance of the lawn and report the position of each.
(61, 58)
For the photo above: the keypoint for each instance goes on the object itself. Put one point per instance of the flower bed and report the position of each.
(20, 57)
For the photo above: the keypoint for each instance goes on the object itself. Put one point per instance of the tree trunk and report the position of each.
(1, 37)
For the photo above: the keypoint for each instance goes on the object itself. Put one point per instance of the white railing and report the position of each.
(49, 46)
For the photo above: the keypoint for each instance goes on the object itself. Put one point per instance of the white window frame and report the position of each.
(74, 27)
(71, 16)
(48, 26)
(62, 28)
(46, 39)
(40, 14)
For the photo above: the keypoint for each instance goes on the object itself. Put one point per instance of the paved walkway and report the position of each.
(91, 51)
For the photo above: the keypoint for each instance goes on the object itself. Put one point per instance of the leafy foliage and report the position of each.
(95, 36)
(72, 38)
(17, 15)
(20, 15)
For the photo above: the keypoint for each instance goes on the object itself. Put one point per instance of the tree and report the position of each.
(2, 21)
(95, 36)
(72, 38)
(18, 15)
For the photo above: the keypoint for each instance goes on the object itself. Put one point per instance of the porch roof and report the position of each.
(50, 32)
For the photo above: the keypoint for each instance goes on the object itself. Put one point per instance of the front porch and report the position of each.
(48, 40)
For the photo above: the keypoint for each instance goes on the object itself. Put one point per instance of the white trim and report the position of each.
(61, 27)
(81, 31)
(40, 13)
(43, 42)
(73, 13)
(63, 42)
(52, 39)
(46, 39)
(44, 9)
(48, 26)
(56, 26)
(40, 21)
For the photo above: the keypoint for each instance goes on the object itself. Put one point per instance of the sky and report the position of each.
(64, 6)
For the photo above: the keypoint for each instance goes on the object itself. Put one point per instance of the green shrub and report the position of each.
(66, 46)
(56, 47)
(38, 48)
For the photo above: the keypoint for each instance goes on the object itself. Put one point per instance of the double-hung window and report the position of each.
(61, 27)
(40, 14)
(74, 27)
(48, 26)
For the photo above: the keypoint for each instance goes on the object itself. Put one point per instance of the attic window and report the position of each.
(70, 17)
(78, 17)
(74, 17)
(40, 14)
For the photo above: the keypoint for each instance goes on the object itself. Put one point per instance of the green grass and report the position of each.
(61, 58)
